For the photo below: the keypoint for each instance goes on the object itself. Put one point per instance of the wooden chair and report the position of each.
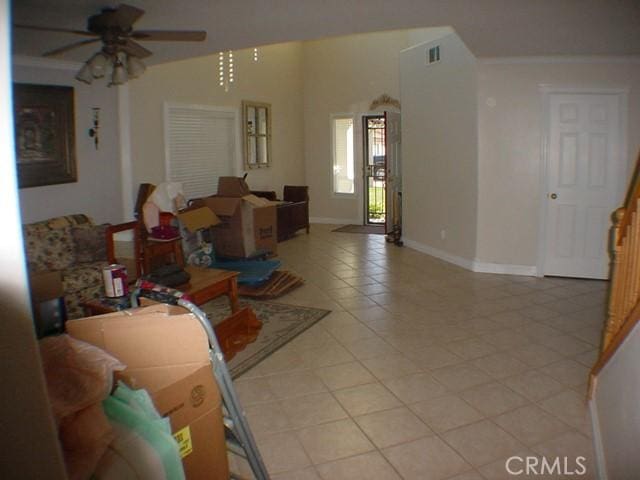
(151, 250)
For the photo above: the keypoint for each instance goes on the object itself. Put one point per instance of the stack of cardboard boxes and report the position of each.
(166, 352)
(247, 224)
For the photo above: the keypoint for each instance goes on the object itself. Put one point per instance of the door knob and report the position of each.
(554, 196)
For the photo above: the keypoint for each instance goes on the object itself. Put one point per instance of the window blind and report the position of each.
(200, 147)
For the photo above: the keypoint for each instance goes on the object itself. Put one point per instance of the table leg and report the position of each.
(233, 295)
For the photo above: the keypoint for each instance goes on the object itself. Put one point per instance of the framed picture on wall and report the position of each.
(44, 134)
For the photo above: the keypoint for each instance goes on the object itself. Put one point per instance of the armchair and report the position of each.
(76, 249)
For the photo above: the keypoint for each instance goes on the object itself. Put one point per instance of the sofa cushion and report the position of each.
(68, 221)
(90, 243)
(73, 300)
(49, 249)
(80, 276)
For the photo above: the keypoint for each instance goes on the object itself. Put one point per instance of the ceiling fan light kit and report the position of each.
(98, 65)
(120, 56)
(121, 66)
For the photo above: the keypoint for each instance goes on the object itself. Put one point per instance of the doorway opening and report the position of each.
(375, 168)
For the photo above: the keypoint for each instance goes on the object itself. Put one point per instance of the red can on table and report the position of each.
(115, 281)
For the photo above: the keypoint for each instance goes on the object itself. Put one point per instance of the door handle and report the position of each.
(553, 196)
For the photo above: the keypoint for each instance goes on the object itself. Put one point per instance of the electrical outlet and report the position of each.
(443, 234)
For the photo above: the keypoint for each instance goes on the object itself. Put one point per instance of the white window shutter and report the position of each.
(200, 147)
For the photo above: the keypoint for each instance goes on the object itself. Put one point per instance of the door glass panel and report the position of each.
(375, 166)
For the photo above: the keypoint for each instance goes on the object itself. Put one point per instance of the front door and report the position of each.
(375, 168)
(584, 171)
(393, 173)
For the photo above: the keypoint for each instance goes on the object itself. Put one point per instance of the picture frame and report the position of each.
(44, 134)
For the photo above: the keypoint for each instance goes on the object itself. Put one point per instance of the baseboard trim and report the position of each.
(434, 252)
(505, 269)
(473, 265)
(335, 221)
(600, 460)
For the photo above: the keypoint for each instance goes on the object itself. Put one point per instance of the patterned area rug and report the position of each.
(370, 229)
(280, 324)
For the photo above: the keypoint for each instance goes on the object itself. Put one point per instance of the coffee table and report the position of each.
(208, 283)
(205, 285)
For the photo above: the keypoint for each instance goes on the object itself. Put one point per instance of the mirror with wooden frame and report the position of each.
(256, 120)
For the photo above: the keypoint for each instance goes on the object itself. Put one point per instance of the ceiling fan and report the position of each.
(114, 28)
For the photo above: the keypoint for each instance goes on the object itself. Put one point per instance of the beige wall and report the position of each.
(439, 150)
(510, 142)
(97, 192)
(614, 408)
(276, 78)
(29, 442)
(344, 75)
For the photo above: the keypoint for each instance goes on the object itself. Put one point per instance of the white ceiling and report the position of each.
(490, 28)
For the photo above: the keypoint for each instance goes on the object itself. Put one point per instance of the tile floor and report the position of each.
(423, 370)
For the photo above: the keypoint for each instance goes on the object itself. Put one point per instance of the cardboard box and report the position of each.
(196, 218)
(232, 187)
(195, 222)
(167, 353)
(248, 225)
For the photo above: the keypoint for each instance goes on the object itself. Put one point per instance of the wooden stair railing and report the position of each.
(624, 289)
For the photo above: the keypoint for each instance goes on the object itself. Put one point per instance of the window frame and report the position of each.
(231, 113)
(333, 118)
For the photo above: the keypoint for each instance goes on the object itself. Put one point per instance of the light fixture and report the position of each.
(117, 65)
(135, 67)
(98, 64)
(84, 74)
(120, 75)
(227, 69)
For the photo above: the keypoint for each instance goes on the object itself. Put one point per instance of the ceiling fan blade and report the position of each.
(169, 35)
(126, 15)
(135, 49)
(66, 48)
(51, 29)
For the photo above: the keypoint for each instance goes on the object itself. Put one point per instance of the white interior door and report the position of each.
(393, 174)
(584, 170)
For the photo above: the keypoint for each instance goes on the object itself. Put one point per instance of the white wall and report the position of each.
(29, 443)
(616, 408)
(97, 192)
(439, 150)
(510, 140)
(344, 75)
(276, 79)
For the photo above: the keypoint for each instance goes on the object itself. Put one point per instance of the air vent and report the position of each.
(433, 55)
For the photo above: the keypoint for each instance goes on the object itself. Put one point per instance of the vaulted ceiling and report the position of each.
(491, 28)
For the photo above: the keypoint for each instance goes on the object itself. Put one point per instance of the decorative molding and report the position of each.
(41, 62)
(335, 221)
(559, 59)
(385, 99)
(434, 252)
(505, 269)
